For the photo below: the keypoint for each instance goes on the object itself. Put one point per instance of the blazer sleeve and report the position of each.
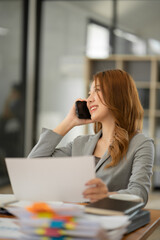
(140, 179)
(46, 146)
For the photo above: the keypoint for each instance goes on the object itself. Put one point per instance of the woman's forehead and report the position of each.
(95, 84)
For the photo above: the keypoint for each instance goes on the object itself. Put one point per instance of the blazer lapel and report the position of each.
(105, 157)
(91, 144)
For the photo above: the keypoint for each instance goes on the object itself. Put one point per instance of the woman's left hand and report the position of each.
(96, 190)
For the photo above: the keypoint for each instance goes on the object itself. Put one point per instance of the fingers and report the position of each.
(95, 194)
(96, 190)
(80, 99)
(95, 181)
(95, 198)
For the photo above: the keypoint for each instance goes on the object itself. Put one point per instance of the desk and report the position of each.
(144, 232)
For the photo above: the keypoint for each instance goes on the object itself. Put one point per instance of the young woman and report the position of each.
(124, 156)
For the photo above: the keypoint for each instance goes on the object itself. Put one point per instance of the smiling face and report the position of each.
(96, 105)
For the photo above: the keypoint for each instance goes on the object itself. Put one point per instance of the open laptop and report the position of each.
(50, 179)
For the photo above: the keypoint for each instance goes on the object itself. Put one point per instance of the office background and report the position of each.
(43, 50)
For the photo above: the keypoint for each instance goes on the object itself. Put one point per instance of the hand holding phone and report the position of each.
(82, 110)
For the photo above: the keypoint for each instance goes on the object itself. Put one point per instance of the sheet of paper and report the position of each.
(9, 229)
(110, 222)
(6, 198)
(50, 179)
(116, 226)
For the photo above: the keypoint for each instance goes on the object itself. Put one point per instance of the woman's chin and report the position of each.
(94, 118)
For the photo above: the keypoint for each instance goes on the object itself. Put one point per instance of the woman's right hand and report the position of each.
(70, 121)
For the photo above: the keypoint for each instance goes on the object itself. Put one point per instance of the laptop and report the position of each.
(50, 179)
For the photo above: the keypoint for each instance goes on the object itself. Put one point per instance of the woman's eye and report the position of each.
(97, 90)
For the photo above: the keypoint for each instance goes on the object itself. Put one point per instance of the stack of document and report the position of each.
(72, 222)
(9, 228)
(67, 221)
(57, 221)
(115, 226)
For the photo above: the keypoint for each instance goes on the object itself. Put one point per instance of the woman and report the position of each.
(123, 154)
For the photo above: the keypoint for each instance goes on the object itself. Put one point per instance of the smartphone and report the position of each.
(82, 110)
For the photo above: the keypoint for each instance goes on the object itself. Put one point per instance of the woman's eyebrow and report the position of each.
(96, 86)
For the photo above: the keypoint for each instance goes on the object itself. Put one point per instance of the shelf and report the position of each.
(156, 168)
(158, 85)
(157, 141)
(146, 112)
(101, 65)
(141, 84)
(157, 113)
(139, 70)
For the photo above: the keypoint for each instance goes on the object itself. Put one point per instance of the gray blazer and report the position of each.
(133, 173)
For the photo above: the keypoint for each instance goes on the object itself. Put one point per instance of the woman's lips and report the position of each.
(93, 108)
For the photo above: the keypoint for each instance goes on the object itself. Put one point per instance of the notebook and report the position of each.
(138, 220)
(50, 179)
(109, 206)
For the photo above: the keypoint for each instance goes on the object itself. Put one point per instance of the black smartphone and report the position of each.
(82, 110)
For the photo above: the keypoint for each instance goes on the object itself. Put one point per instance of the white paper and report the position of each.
(116, 226)
(9, 228)
(19, 209)
(110, 222)
(50, 179)
(6, 198)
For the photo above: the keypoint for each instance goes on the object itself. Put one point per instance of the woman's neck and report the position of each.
(108, 131)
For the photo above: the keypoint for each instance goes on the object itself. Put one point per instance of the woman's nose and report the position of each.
(90, 98)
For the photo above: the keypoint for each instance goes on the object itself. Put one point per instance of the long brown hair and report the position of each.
(120, 95)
